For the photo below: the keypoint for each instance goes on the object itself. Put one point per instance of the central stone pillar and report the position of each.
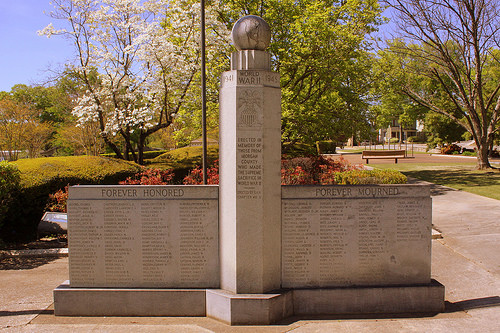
(250, 155)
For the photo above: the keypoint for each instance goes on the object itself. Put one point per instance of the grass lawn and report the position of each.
(461, 176)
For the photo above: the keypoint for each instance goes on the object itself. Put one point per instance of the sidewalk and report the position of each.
(466, 260)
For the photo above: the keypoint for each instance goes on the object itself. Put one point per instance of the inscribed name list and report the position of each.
(143, 236)
(355, 235)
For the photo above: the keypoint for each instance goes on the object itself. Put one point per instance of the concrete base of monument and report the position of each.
(370, 300)
(128, 302)
(248, 309)
(265, 309)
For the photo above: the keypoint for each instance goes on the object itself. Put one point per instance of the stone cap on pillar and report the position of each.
(251, 59)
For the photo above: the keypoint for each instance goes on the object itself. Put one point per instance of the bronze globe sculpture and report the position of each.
(251, 33)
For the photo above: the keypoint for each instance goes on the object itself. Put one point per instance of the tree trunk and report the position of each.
(140, 148)
(112, 146)
(482, 156)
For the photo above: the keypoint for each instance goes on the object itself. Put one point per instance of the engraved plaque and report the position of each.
(143, 236)
(355, 235)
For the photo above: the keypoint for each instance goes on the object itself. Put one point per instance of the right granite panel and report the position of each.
(363, 235)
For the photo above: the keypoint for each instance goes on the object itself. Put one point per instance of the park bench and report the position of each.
(378, 154)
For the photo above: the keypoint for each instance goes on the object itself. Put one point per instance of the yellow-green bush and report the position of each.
(9, 185)
(183, 160)
(43, 176)
(297, 149)
(187, 157)
(83, 169)
(147, 154)
(360, 177)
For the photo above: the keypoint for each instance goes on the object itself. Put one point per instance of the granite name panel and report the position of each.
(335, 236)
(143, 236)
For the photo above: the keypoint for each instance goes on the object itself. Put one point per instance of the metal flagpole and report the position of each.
(203, 95)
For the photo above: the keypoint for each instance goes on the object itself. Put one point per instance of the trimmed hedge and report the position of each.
(187, 157)
(326, 147)
(183, 160)
(147, 154)
(9, 185)
(43, 176)
(363, 177)
(298, 149)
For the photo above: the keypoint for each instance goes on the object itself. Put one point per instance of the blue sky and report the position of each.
(26, 57)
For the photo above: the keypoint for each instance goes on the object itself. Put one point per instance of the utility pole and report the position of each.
(203, 95)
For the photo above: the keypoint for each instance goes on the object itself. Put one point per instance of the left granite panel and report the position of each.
(143, 236)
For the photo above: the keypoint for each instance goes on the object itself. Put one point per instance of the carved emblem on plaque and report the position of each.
(249, 107)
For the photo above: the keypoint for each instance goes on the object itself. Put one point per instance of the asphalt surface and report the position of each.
(466, 261)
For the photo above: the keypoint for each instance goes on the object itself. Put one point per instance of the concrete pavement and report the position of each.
(466, 260)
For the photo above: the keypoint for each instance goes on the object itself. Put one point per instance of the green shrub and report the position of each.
(393, 140)
(187, 157)
(469, 153)
(147, 154)
(326, 147)
(183, 160)
(81, 169)
(42, 176)
(297, 149)
(413, 139)
(9, 185)
(361, 177)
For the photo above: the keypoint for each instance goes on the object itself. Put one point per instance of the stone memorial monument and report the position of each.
(249, 251)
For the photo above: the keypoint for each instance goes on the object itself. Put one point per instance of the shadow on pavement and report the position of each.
(476, 303)
(440, 190)
(24, 262)
(291, 320)
(25, 312)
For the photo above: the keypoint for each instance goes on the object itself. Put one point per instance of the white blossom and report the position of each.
(146, 54)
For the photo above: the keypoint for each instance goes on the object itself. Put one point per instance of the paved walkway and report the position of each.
(466, 260)
(416, 158)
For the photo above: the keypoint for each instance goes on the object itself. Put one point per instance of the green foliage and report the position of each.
(298, 149)
(9, 184)
(74, 170)
(183, 160)
(148, 155)
(52, 104)
(42, 176)
(441, 130)
(469, 153)
(390, 76)
(187, 157)
(363, 177)
(319, 49)
(413, 139)
(326, 147)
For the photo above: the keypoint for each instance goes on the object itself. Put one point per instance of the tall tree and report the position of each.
(146, 57)
(389, 73)
(455, 41)
(321, 52)
(20, 129)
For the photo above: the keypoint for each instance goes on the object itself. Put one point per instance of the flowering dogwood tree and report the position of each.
(138, 61)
